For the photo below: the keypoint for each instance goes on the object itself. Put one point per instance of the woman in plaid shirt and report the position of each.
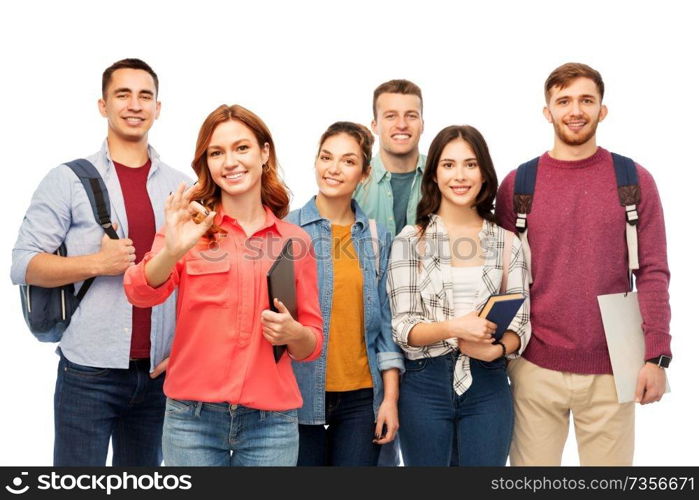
(442, 271)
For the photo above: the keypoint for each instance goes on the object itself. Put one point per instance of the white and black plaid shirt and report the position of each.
(420, 288)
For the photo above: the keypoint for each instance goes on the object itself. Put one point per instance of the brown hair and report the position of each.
(357, 132)
(275, 194)
(563, 75)
(432, 196)
(131, 63)
(397, 87)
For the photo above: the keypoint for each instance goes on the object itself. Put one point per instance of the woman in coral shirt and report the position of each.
(229, 402)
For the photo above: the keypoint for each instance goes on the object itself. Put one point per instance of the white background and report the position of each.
(302, 65)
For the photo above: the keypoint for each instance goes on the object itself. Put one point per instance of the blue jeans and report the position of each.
(221, 434)
(431, 413)
(348, 439)
(94, 405)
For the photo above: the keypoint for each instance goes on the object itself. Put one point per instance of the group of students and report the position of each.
(394, 257)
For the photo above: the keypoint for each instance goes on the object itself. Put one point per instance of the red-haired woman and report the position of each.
(229, 402)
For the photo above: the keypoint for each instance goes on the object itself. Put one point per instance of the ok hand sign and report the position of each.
(182, 232)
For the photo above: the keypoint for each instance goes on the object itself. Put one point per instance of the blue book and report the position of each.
(501, 310)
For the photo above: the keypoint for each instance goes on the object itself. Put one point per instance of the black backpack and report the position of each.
(47, 311)
(629, 197)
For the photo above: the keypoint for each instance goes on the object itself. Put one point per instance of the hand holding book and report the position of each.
(472, 328)
(501, 310)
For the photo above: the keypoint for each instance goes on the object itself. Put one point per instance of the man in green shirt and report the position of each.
(392, 191)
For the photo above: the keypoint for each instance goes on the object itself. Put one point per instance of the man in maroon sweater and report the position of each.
(576, 233)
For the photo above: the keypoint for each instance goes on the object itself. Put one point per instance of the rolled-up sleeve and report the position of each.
(517, 282)
(136, 287)
(403, 290)
(308, 305)
(45, 223)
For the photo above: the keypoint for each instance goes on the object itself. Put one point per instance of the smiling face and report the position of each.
(130, 105)
(235, 160)
(575, 112)
(339, 166)
(398, 123)
(458, 175)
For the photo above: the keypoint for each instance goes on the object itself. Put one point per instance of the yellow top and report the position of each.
(347, 361)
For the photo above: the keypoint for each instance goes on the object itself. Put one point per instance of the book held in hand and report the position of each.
(501, 309)
(281, 284)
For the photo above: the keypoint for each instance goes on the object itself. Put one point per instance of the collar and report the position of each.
(271, 221)
(108, 163)
(436, 227)
(378, 171)
(309, 214)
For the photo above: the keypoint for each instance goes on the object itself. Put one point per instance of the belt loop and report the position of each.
(197, 408)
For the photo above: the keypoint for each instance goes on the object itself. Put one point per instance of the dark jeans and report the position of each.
(348, 439)
(431, 413)
(94, 405)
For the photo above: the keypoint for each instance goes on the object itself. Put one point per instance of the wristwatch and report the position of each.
(662, 361)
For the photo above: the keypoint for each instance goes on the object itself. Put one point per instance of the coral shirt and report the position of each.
(219, 353)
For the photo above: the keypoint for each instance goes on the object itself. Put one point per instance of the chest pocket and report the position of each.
(208, 283)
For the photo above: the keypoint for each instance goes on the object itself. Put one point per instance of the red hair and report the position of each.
(275, 194)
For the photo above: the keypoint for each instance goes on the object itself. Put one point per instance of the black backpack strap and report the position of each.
(525, 182)
(96, 192)
(99, 200)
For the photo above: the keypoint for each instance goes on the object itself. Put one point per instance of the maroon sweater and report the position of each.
(578, 244)
(139, 214)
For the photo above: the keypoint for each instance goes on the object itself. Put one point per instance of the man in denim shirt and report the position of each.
(392, 191)
(112, 356)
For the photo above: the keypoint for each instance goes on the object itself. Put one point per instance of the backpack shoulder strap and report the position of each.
(99, 200)
(629, 196)
(96, 192)
(525, 182)
(627, 185)
(375, 244)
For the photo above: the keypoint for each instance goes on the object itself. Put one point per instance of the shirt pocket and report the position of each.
(208, 283)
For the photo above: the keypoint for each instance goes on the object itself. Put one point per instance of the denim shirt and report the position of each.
(382, 352)
(99, 333)
(375, 195)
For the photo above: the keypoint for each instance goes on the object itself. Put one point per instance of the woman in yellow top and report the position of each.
(353, 386)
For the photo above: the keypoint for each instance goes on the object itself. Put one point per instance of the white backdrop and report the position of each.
(302, 65)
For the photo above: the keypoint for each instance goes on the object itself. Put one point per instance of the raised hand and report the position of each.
(182, 232)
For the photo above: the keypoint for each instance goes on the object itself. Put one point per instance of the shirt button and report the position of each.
(127, 330)
(390, 195)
